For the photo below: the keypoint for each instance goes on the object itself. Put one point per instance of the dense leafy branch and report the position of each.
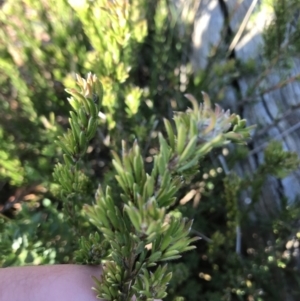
(139, 231)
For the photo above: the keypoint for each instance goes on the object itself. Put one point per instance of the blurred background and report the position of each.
(148, 54)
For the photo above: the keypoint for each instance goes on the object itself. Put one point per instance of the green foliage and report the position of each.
(278, 162)
(267, 256)
(37, 237)
(282, 36)
(140, 219)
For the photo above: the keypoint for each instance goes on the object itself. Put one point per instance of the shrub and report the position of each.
(140, 56)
